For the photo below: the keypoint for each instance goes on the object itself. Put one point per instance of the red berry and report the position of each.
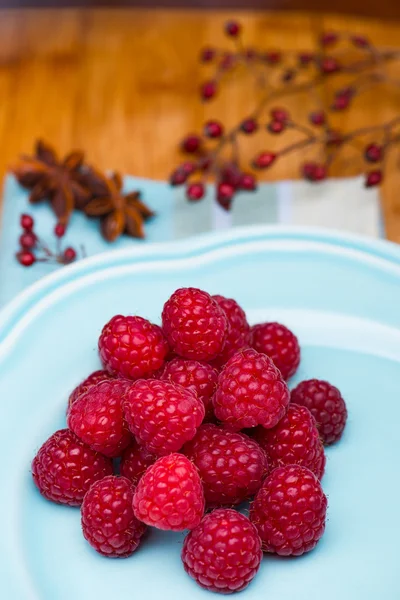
(250, 392)
(247, 182)
(191, 143)
(108, 522)
(230, 174)
(232, 466)
(64, 468)
(329, 65)
(305, 58)
(294, 441)
(69, 254)
(223, 553)
(213, 129)
(27, 222)
(280, 344)
(232, 28)
(289, 511)
(208, 90)
(317, 118)
(225, 193)
(264, 160)
(314, 172)
(178, 177)
(170, 494)
(97, 418)
(26, 259)
(27, 240)
(200, 378)
(328, 38)
(280, 114)
(327, 406)
(373, 178)
(360, 41)
(238, 329)
(341, 102)
(195, 191)
(194, 324)
(188, 167)
(204, 163)
(272, 57)
(135, 461)
(373, 153)
(276, 126)
(132, 347)
(59, 230)
(207, 54)
(161, 415)
(249, 126)
(88, 383)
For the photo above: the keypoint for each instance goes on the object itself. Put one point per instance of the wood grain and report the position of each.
(123, 84)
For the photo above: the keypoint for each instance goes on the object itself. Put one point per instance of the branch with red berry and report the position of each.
(278, 76)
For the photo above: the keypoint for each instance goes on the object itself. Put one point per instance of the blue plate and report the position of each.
(340, 294)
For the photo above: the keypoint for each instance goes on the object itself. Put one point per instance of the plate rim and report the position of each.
(27, 299)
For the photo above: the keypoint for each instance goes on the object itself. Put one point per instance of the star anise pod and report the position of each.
(49, 177)
(119, 212)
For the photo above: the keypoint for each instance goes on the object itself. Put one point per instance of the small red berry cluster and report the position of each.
(201, 417)
(279, 75)
(33, 249)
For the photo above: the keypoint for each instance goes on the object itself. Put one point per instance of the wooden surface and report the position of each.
(123, 85)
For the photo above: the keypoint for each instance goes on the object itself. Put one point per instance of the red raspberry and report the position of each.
(132, 347)
(238, 329)
(194, 324)
(161, 415)
(280, 344)
(199, 377)
(64, 468)
(250, 392)
(87, 383)
(293, 441)
(135, 460)
(223, 553)
(289, 511)
(231, 465)
(170, 495)
(108, 522)
(327, 406)
(97, 417)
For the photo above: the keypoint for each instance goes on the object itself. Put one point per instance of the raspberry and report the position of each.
(250, 392)
(223, 553)
(97, 418)
(280, 344)
(132, 347)
(194, 324)
(170, 495)
(238, 329)
(108, 522)
(199, 377)
(294, 440)
(64, 468)
(327, 406)
(161, 415)
(231, 465)
(289, 511)
(87, 383)
(135, 460)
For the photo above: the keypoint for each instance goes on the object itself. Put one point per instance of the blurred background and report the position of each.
(121, 81)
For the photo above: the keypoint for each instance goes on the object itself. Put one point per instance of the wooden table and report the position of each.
(123, 84)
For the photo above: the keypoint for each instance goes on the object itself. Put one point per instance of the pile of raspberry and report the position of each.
(185, 423)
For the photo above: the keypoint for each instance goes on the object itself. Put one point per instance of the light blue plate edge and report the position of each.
(183, 249)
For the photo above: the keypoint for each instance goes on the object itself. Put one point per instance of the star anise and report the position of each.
(50, 178)
(119, 212)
